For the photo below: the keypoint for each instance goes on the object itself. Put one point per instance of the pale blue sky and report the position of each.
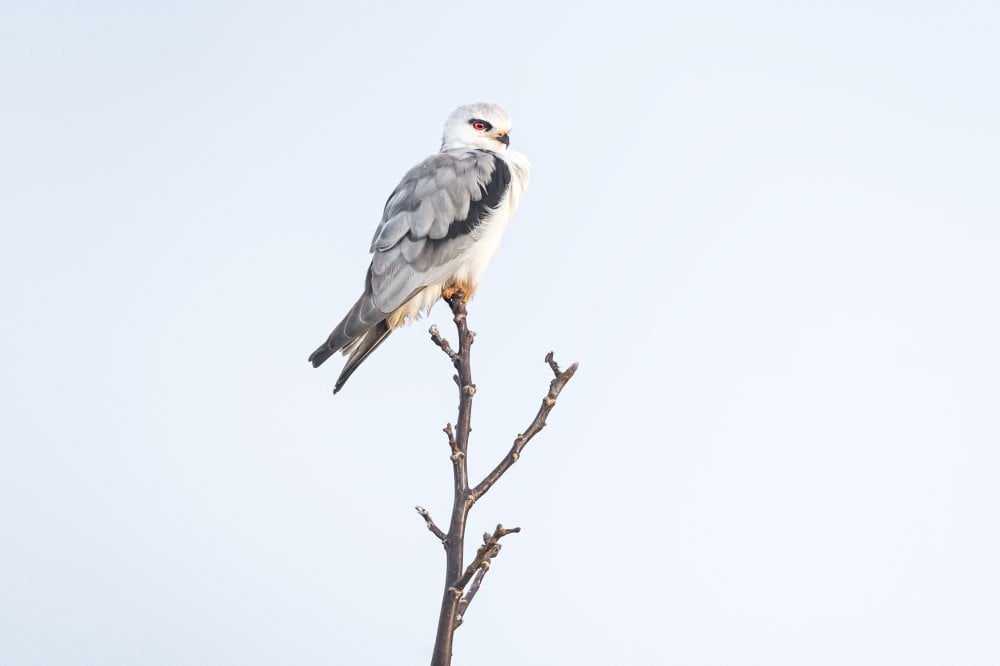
(769, 233)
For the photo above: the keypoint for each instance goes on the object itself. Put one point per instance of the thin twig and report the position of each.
(548, 402)
(426, 515)
(486, 552)
(441, 342)
(480, 565)
(550, 359)
(455, 452)
(463, 605)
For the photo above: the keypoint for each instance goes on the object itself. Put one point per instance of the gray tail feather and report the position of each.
(358, 334)
(355, 324)
(320, 355)
(366, 345)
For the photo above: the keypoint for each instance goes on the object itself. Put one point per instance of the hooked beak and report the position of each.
(504, 139)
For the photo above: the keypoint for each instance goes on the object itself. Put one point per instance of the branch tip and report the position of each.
(551, 360)
(442, 343)
(425, 514)
(452, 442)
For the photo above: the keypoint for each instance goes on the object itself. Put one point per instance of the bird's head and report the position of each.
(485, 126)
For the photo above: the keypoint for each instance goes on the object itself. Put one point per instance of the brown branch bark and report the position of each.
(470, 595)
(535, 427)
(479, 567)
(426, 515)
(458, 440)
(462, 583)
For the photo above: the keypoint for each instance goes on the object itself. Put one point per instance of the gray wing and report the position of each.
(429, 222)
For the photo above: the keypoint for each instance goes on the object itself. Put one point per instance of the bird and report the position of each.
(439, 230)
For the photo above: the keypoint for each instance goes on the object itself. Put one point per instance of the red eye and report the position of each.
(478, 125)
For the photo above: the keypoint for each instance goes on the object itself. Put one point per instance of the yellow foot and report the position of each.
(448, 292)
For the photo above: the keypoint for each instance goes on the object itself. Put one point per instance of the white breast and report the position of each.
(469, 269)
(491, 230)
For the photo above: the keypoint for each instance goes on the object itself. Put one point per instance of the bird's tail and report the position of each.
(362, 347)
(318, 357)
(361, 331)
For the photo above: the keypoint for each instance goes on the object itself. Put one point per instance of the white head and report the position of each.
(484, 125)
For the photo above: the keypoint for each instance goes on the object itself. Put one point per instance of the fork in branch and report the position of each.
(462, 583)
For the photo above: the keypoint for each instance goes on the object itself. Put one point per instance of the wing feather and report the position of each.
(411, 251)
(393, 231)
(425, 187)
(422, 219)
(428, 222)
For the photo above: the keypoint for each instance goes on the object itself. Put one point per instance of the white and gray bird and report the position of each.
(440, 228)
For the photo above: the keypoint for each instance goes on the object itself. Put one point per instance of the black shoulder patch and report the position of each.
(493, 193)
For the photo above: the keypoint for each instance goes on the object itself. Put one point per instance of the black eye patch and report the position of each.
(480, 125)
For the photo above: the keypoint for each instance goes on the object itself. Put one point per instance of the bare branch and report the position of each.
(462, 583)
(550, 359)
(425, 514)
(463, 605)
(548, 402)
(455, 453)
(441, 342)
(486, 552)
(480, 565)
(458, 440)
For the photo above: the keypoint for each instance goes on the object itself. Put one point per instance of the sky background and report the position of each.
(769, 233)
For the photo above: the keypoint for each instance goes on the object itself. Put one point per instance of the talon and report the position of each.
(448, 292)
